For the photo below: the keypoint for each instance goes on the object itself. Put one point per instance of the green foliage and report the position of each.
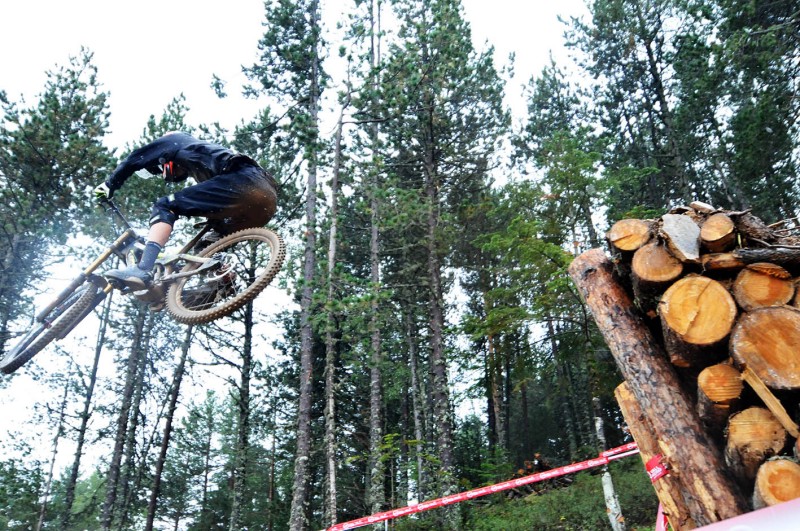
(19, 494)
(86, 508)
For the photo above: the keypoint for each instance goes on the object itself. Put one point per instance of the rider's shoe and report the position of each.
(132, 277)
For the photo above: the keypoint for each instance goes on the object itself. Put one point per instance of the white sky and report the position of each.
(150, 51)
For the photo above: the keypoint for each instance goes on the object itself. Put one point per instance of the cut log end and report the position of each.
(699, 309)
(763, 284)
(721, 383)
(653, 263)
(754, 435)
(629, 234)
(697, 314)
(777, 481)
(766, 340)
(718, 233)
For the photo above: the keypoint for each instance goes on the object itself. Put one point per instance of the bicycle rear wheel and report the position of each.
(249, 260)
(54, 326)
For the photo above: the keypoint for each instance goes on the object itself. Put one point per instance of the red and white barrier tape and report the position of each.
(604, 458)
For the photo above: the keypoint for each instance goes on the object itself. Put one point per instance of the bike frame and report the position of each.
(128, 241)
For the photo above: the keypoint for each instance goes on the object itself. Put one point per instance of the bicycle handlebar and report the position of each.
(110, 206)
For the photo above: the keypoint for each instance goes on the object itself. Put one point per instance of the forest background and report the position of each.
(424, 336)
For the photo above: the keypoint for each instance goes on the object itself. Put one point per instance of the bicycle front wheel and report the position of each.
(54, 326)
(248, 261)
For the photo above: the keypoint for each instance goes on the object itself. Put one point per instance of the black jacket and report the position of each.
(202, 160)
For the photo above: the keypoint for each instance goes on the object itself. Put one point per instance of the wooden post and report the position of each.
(613, 507)
(690, 455)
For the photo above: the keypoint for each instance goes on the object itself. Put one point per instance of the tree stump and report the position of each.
(766, 340)
(697, 314)
(707, 491)
(777, 481)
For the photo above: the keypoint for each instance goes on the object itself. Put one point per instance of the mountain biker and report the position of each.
(232, 191)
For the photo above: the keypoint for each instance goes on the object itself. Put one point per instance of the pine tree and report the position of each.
(448, 109)
(49, 156)
(291, 70)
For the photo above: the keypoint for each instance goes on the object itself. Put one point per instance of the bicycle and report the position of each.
(195, 287)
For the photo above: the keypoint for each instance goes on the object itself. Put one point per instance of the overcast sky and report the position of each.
(154, 50)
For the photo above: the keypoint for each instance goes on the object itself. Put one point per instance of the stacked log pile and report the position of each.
(701, 310)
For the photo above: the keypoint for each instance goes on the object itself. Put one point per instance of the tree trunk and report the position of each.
(765, 340)
(298, 519)
(738, 258)
(653, 270)
(69, 495)
(127, 484)
(165, 439)
(718, 233)
(243, 424)
(330, 341)
(131, 371)
(629, 235)
(668, 488)
(417, 405)
(377, 467)
(708, 494)
(59, 432)
(613, 508)
(682, 236)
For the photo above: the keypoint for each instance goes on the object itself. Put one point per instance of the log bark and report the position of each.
(697, 315)
(754, 435)
(718, 233)
(766, 341)
(668, 488)
(708, 494)
(777, 481)
(719, 390)
(788, 257)
(763, 284)
(653, 269)
(628, 235)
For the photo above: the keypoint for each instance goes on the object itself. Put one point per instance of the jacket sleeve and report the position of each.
(145, 157)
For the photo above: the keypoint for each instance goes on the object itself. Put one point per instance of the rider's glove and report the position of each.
(102, 192)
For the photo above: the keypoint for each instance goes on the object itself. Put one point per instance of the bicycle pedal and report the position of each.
(118, 285)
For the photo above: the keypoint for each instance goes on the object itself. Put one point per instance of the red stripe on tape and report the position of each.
(604, 458)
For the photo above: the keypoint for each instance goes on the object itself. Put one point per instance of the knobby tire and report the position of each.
(250, 287)
(61, 318)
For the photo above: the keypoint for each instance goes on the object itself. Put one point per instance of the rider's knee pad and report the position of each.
(161, 212)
